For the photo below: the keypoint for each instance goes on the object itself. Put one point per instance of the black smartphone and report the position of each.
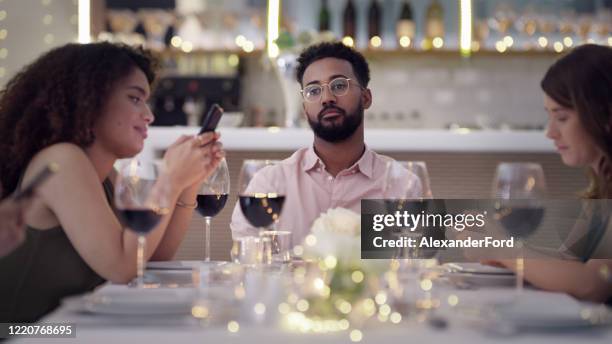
(42, 176)
(212, 119)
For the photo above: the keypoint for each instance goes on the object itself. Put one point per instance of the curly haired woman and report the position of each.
(83, 107)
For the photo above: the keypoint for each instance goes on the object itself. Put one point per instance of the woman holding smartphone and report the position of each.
(83, 107)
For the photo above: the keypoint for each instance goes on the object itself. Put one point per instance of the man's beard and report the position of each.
(340, 132)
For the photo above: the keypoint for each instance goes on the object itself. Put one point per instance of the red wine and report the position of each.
(140, 220)
(211, 205)
(520, 221)
(262, 210)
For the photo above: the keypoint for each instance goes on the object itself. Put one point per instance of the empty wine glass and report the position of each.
(141, 199)
(519, 189)
(212, 197)
(405, 185)
(406, 188)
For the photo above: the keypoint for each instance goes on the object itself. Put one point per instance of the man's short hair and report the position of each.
(336, 50)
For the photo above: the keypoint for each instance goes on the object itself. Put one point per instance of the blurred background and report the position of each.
(422, 77)
(455, 82)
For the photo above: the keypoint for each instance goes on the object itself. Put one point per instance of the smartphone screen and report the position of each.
(212, 119)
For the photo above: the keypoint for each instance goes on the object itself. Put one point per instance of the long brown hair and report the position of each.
(58, 98)
(582, 81)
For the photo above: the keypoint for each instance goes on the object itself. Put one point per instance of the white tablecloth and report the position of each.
(104, 329)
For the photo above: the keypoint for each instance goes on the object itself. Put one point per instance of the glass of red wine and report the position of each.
(519, 189)
(140, 198)
(212, 197)
(261, 197)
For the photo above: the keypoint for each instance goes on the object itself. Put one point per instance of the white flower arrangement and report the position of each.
(337, 233)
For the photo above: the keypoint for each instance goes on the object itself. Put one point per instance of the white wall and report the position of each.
(33, 27)
(440, 88)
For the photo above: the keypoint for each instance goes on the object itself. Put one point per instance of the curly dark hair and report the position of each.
(58, 98)
(336, 50)
(582, 81)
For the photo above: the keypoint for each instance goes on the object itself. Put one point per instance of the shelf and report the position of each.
(172, 53)
(375, 53)
(381, 53)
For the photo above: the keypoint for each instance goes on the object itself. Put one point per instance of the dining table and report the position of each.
(249, 305)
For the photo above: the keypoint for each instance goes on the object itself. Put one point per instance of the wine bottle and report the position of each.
(434, 25)
(349, 20)
(405, 28)
(324, 17)
(374, 21)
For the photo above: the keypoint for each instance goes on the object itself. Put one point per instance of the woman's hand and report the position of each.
(192, 159)
(12, 225)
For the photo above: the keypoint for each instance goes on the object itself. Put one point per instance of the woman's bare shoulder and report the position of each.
(67, 156)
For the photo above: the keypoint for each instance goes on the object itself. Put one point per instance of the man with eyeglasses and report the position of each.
(338, 170)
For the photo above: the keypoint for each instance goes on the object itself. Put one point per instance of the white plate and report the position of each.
(469, 279)
(535, 315)
(132, 301)
(180, 264)
(477, 268)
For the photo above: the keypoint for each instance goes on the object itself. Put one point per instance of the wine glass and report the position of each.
(261, 197)
(519, 189)
(141, 199)
(406, 188)
(404, 184)
(212, 197)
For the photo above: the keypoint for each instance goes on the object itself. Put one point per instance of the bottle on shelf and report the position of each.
(374, 24)
(434, 26)
(349, 24)
(324, 17)
(405, 28)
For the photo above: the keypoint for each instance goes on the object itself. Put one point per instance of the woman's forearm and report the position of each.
(585, 281)
(177, 226)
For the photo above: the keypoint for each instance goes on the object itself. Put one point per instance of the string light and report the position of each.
(438, 42)
(508, 41)
(500, 46)
(47, 19)
(405, 41)
(233, 326)
(348, 41)
(356, 336)
(49, 38)
(376, 41)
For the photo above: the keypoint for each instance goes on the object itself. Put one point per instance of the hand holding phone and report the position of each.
(212, 119)
(28, 191)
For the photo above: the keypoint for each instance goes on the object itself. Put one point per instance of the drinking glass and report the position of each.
(141, 199)
(519, 189)
(212, 197)
(261, 198)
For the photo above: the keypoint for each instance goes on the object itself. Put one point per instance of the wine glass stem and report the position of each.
(520, 271)
(140, 261)
(207, 239)
(266, 254)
